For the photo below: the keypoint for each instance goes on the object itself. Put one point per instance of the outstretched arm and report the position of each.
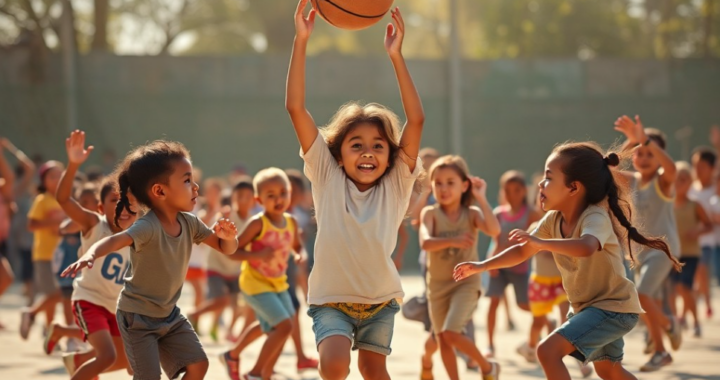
(302, 121)
(101, 248)
(412, 105)
(77, 154)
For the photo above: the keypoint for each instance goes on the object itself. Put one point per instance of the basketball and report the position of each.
(352, 14)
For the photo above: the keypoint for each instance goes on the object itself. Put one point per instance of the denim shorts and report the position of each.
(597, 334)
(271, 308)
(373, 334)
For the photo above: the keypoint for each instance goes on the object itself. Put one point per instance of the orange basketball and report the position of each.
(352, 14)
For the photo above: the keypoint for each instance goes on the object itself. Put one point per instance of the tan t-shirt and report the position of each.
(598, 280)
(357, 231)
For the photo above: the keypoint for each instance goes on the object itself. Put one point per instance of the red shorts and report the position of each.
(195, 274)
(92, 318)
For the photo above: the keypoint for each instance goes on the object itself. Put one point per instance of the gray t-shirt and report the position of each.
(159, 264)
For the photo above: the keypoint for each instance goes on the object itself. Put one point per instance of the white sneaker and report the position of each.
(489, 353)
(527, 352)
(657, 361)
(675, 334)
(73, 345)
(494, 372)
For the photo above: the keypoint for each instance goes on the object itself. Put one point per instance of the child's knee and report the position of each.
(285, 327)
(448, 338)
(334, 368)
(106, 357)
(371, 371)
(547, 351)
(199, 368)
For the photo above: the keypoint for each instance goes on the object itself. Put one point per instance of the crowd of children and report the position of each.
(608, 248)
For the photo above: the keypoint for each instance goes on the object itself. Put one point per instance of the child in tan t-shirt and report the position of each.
(584, 201)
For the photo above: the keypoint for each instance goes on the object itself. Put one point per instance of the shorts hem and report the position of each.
(608, 358)
(372, 348)
(582, 352)
(330, 334)
(178, 368)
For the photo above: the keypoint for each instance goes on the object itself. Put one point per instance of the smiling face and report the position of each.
(365, 155)
(448, 186)
(645, 162)
(274, 195)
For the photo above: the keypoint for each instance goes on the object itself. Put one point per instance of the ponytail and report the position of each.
(124, 203)
(583, 162)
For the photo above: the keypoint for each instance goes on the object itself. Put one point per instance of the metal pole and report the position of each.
(454, 83)
(68, 51)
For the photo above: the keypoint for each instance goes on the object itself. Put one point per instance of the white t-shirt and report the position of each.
(357, 231)
(702, 196)
(102, 283)
(218, 262)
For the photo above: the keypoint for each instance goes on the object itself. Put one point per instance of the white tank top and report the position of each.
(102, 283)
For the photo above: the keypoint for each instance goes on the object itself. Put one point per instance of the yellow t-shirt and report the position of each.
(599, 279)
(259, 276)
(45, 240)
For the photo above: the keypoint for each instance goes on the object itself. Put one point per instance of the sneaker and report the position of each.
(308, 363)
(585, 369)
(494, 372)
(69, 362)
(26, 322)
(73, 345)
(675, 334)
(657, 361)
(698, 332)
(232, 366)
(50, 340)
(527, 352)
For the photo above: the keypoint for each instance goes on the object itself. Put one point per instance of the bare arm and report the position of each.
(251, 231)
(223, 238)
(7, 174)
(302, 121)
(101, 248)
(22, 184)
(412, 105)
(430, 243)
(508, 258)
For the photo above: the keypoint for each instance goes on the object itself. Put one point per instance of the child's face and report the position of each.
(213, 192)
(703, 170)
(51, 180)
(109, 204)
(448, 187)
(274, 196)
(181, 191)
(364, 155)
(553, 191)
(515, 194)
(644, 161)
(243, 201)
(683, 181)
(89, 202)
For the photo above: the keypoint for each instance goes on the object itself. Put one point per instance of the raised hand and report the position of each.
(633, 130)
(465, 270)
(86, 261)
(75, 147)
(225, 229)
(394, 33)
(479, 188)
(304, 26)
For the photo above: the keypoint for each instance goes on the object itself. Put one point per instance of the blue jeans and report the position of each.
(597, 334)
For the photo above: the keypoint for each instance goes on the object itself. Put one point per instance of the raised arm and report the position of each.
(6, 173)
(485, 220)
(22, 184)
(412, 105)
(101, 248)
(635, 133)
(77, 155)
(302, 121)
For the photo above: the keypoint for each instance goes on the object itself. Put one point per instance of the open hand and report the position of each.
(225, 229)
(465, 270)
(75, 147)
(304, 26)
(523, 237)
(87, 261)
(395, 33)
(633, 130)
